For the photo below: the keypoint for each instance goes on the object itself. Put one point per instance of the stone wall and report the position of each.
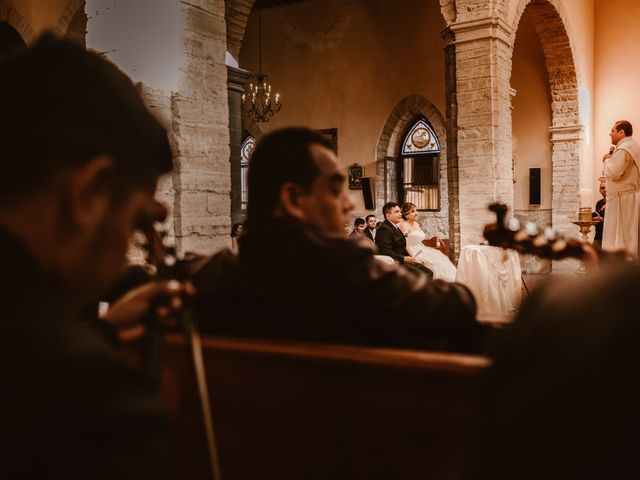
(200, 130)
(484, 40)
(401, 118)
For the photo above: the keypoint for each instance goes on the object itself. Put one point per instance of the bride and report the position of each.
(437, 261)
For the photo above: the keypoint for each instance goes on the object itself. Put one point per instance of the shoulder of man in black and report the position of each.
(324, 296)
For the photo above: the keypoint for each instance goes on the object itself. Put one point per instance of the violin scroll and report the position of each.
(545, 243)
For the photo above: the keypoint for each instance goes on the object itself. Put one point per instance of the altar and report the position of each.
(494, 277)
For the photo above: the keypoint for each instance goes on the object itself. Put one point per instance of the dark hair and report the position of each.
(279, 157)
(625, 126)
(10, 39)
(234, 229)
(406, 208)
(61, 107)
(388, 207)
(371, 215)
(358, 221)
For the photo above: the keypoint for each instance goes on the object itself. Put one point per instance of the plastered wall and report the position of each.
(617, 71)
(346, 64)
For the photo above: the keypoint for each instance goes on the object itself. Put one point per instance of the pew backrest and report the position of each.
(294, 410)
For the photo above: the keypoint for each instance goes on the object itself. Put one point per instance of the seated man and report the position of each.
(297, 275)
(358, 227)
(372, 226)
(81, 157)
(392, 242)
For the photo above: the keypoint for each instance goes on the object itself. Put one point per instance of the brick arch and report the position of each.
(252, 128)
(73, 21)
(401, 117)
(550, 23)
(448, 10)
(236, 15)
(18, 22)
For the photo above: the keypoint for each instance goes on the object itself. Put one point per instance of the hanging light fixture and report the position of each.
(257, 100)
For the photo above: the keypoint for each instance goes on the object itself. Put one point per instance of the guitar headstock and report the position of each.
(530, 239)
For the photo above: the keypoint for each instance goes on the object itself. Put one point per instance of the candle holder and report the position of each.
(585, 228)
(584, 215)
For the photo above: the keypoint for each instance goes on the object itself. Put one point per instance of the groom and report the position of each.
(391, 241)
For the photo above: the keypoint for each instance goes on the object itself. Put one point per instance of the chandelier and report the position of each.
(257, 101)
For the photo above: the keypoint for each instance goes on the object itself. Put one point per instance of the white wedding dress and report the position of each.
(434, 259)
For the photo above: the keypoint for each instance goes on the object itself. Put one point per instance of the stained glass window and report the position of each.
(419, 164)
(420, 139)
(246, 150)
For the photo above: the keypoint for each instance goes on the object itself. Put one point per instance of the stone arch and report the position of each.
(18, 22)
(236, 16)
(549, 20)
(72, 24)
(251, 127)
(401, 117)
(448, 10)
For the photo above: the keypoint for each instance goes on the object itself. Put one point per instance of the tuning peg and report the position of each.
(559, 245)
(550, 234)
(539, 241)
(531, 229)
(514, 224)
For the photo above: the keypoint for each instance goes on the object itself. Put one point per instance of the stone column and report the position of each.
(201, 131)
(236, 78)
(483, 66)
(566, 147)
(451, 121)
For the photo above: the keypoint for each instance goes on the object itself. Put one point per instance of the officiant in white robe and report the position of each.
(622, 173)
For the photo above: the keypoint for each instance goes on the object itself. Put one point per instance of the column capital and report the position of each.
(566, 133)
(236, 78)
(484, 28)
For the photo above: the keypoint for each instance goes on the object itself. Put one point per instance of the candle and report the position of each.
(586, 197)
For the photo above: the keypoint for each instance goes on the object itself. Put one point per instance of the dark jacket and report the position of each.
(369, 235)
(600, 210)
(289, 282)
(391, 241)
(71, 406)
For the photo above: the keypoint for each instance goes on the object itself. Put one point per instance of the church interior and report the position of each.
(452, 105)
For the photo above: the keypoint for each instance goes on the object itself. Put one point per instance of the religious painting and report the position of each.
(355, 177)
(331, 134)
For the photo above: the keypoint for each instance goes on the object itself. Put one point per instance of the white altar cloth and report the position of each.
(494, 277)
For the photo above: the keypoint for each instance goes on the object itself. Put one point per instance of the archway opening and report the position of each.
(558, 108)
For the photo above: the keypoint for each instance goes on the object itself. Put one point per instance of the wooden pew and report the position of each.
(441, 244)
(290, 410)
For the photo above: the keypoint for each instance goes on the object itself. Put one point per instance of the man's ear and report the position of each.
(89, 191)
(291, 203)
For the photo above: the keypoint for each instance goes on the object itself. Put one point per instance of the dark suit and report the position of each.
(392, 242)
(369, 235)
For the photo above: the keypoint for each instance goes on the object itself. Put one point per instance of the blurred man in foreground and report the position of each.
(81, 156)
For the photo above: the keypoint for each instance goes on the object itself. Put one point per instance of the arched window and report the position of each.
(419, 167)
(246, 150)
